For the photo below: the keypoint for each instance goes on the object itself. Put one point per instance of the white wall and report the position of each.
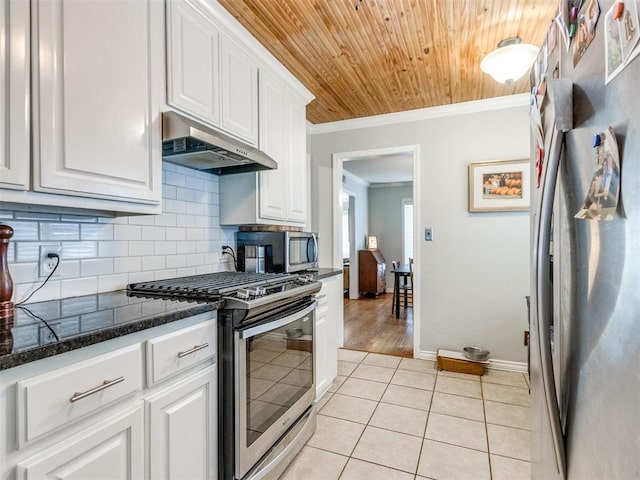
(101, 254)
(360, 193)
(475, 274)
(385, 221)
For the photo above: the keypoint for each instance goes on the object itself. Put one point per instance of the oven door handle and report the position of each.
(266, 327)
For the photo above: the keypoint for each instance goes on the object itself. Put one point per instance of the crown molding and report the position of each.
(464, 108)
(390, 185)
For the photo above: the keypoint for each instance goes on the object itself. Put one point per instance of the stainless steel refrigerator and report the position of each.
(585, 312)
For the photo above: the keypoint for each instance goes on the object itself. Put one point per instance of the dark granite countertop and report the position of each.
(321, 273)
(82, 321)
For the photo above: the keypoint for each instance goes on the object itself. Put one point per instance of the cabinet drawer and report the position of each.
(50, 400)
(171, 353)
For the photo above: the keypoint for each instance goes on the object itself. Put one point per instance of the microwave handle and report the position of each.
(315, 247)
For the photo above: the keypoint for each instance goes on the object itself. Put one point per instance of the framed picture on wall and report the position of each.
(499, 186)
(372, 242)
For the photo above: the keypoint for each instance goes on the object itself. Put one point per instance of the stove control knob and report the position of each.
(243, 294)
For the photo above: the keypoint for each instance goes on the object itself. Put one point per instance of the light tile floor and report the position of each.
(394, 418)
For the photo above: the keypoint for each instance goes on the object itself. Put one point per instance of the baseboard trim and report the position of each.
(494, 364)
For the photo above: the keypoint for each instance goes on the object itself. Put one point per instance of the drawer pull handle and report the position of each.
(106, 384)
(192, 350)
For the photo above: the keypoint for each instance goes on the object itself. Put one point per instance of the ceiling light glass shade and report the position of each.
(510, 61)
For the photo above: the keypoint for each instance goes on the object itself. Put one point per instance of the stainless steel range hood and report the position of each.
(192, 144)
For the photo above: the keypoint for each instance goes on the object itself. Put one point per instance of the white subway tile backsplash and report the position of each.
(96, 266)
(98, 231)
(186, 271)
(195, 233)
(174, 206)
(141, 248)
(176, 233)
(24, 231)
(185, 194)
(175, 179)
(23, 272)
(169, 191)
(59, 231)
(195, 259)
(76, 287)
(101, 254)
(165, 248)
(127, 264)
(153, 233)
(69, 268)
(165, 220)
(107, 283)
(176, 261)
(135, 277)
(22, 290)
(186, 221)
(141, 220)
(153, 263)
(195, 183)
(127, 232)
(186, 247)
(79, 249)
(27, 251)
(113, 249)
(161, 274)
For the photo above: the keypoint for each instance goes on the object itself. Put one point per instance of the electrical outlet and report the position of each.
(46, 264)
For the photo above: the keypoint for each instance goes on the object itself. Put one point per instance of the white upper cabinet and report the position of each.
(239, 86)
(193, 62)
(273, 134)
(14, 94)
(283, 192)
(210, 76)
(98, 86)
(273, 197)
(297, 203)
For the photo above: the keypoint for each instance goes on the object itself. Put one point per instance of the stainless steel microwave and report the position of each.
(279, 251)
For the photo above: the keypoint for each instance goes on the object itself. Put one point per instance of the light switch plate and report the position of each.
(428, 234)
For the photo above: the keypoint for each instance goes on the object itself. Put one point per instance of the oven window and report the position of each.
(279, 372)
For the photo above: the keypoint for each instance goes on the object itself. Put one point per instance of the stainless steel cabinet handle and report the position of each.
(106, 384)
(192, 350)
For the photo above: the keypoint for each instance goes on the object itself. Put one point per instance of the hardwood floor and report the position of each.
(370, 326)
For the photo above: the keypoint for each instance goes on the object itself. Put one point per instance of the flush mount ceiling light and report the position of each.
(510, 61)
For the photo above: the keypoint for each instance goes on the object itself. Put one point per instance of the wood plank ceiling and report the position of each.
(391, 55)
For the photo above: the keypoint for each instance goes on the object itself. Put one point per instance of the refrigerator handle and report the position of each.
(543, 306)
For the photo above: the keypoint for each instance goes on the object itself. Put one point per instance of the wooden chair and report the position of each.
(406, 289)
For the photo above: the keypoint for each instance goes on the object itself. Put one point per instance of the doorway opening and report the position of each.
(376, 196)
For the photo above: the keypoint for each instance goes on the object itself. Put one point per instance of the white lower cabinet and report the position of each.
(112, 449)
(328, 317)
(86, 414)
(182, 429)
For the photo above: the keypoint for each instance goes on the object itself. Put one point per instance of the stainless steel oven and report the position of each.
(266, 371)
(274, 382)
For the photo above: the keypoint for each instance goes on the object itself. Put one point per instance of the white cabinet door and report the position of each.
(193, 62)
(182, 427)
(113, 449)
(273, 136)
(322, 341)
(298, 187)
(328, 317)
(239, 91)
(14, 94)
(98, 86)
